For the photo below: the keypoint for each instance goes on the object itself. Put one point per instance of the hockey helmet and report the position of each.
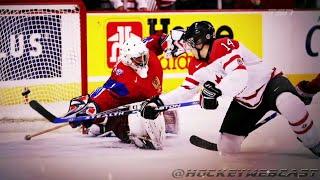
(199, 34)
(135, 54)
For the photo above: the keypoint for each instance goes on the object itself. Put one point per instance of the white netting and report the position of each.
(40, 48)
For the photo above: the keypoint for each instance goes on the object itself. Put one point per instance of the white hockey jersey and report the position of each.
(235, 70)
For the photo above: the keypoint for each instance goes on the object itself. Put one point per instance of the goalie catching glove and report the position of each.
(82, 106)
(209, 95)
(148, 108)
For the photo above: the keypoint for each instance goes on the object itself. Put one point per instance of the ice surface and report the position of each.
(67, 154)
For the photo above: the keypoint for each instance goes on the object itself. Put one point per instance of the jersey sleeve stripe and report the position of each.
(230, 60)
(97, 92)
(118, 88)
(192, 81)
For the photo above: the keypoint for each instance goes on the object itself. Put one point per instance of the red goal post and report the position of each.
(43, 48)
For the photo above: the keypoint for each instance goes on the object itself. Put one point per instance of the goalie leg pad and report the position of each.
(156, 131)
(294, 110)
(144, 131)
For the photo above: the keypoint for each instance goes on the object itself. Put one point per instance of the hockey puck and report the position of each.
(27, 137)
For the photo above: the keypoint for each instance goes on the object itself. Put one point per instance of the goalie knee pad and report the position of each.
(294, 110)
(229, 143)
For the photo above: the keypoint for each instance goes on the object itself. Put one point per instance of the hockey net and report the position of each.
(43, 49)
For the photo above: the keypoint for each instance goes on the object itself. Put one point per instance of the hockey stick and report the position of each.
(120, 111)
(202, 143)
(35, 105)
(29, 136)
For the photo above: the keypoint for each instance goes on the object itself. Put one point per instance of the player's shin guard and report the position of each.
(229, 143)
(294, 110)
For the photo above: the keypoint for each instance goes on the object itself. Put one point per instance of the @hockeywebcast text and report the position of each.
(193, 173)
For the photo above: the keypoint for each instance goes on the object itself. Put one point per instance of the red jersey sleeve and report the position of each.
(154, 41)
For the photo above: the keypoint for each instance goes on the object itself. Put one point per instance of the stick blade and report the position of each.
(199, 142)
(35, 105)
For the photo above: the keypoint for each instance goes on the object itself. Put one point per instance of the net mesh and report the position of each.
(40, 50)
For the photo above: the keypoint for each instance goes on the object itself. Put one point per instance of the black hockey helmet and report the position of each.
(201, 32)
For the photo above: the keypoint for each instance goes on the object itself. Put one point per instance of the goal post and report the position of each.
(43, 49)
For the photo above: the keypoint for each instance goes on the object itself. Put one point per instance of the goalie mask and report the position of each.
(200, 36)
(135, 54)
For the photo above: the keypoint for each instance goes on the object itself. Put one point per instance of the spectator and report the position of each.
(130, 5)
(195, 4)
(307, 4)
(166, 4)
(263, 4)
(92, 4)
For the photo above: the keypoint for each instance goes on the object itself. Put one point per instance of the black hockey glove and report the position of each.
(148, 108)
(209, 95)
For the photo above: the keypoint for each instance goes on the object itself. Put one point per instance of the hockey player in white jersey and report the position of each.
(225, 67)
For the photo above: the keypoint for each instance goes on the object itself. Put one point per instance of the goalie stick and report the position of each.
(120, 111)
(29, 136)
(202, 143)
(35, 105)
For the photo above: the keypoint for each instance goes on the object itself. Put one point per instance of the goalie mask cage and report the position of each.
(43, 49)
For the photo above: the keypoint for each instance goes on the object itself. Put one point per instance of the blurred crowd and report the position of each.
(155, 5)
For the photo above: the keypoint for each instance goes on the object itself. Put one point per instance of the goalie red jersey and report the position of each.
(130, 81)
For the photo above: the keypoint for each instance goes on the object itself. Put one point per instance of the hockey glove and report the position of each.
(77, 103)
(209, 95)
(172, 44)
(148, 108)
(89, 109)
(302, 88)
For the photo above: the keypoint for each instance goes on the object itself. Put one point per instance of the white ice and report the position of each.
(67, 154)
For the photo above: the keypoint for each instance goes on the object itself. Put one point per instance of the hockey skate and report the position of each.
(315, 150)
